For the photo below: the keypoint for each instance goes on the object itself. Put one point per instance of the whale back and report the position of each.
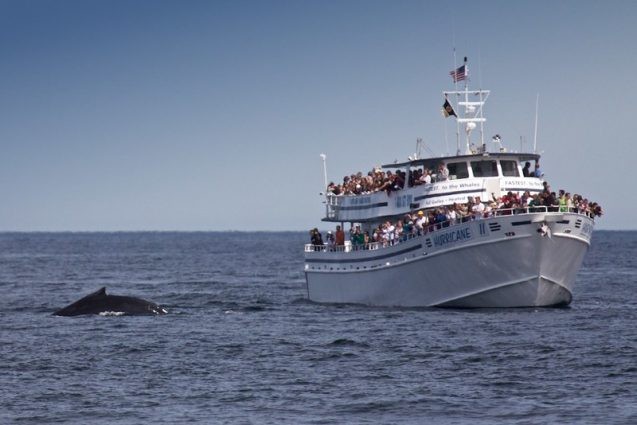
(100, 302)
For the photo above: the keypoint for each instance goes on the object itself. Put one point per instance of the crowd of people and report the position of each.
(378, 180)
(424, 221)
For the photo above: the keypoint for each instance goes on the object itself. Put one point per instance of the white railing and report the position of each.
(537, 209)
(366, 247)
(343, 248)
(442, 225)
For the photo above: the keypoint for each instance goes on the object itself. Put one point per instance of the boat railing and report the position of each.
(349, 247)
(537, 209)
(433, 227)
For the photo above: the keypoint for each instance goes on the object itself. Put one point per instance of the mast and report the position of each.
(466, 102)
(455, 83)
(537, 102)
(469, 106)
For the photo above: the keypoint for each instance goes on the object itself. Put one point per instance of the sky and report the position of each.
(212, 115)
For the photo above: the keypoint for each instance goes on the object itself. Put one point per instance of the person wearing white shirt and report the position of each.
(421, 222)
(443, 172)
(451, 215)
(478, 208)
(426, 176)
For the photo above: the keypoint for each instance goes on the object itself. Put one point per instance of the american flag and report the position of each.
(459, 74)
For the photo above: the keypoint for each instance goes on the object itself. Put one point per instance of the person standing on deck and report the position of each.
(526, 171)
(339, 236)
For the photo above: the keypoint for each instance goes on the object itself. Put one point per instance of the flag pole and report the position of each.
(446, 140)
(466, 99)
(537, 102)
(455, 82)
(455, 67)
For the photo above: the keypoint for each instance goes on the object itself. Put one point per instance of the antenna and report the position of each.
(479, 68)
(537, 102)
(484, 146)
(324, 158)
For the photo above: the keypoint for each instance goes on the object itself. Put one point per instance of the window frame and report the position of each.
(516, 168)
(494, 168)
(466, 169)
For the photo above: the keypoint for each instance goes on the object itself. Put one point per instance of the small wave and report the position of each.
(466, 349)
(254, 308)
(112, 313)
(545, 349)
(474, 359)
(301, 300)
(334, 356)
(231, 349)
(345, 342)
(367, 407)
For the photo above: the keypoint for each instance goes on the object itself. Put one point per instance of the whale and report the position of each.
(99, 302)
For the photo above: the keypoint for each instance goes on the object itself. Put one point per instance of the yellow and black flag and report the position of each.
(447, 110)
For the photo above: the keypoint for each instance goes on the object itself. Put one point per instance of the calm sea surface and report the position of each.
(241, 345)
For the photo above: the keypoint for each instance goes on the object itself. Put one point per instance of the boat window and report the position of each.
(458, 170)
(484, 168)
(509, 168)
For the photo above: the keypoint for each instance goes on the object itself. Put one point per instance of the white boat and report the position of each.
(511, 257)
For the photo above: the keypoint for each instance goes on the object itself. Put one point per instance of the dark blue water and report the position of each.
(241, 345)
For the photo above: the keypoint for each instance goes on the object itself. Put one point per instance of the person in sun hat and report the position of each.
(421, 222)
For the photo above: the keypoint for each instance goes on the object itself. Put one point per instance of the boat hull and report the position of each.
(516, 265)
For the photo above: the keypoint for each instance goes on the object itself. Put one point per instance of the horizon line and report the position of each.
(212, 231)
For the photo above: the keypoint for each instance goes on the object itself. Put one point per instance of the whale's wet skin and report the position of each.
(241, 344)
(99, 302)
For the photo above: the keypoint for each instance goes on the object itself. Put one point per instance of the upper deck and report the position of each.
(483, 175)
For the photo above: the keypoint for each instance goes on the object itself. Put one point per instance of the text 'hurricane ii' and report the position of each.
(442, 232)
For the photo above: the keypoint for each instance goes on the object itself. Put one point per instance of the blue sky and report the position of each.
(204, 115)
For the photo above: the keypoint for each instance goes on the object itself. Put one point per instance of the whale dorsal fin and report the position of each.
(97, 294)
(72, 309)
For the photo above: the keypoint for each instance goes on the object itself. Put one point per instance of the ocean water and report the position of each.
(241, 344)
